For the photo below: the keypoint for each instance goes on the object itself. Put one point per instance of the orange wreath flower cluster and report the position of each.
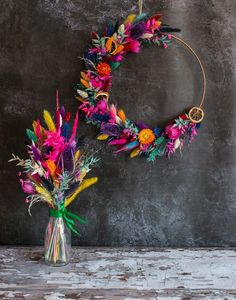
(103, 69)
(146, 136)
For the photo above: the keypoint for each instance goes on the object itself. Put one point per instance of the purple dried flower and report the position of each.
(138, 30)
(110, 129)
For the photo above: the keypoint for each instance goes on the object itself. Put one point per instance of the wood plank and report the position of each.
(119, 273)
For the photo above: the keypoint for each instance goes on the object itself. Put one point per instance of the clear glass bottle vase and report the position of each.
(57, 241)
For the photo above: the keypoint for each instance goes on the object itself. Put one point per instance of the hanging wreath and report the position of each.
(102, 58)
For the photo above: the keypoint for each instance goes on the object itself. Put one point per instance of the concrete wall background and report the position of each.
(189, 200)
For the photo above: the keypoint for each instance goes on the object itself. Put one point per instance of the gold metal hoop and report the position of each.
(140, 3)
(196, 113)
(200, 64)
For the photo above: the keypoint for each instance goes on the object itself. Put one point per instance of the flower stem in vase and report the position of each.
(57, 242)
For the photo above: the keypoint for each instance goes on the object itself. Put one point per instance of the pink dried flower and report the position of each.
(88, 110)
(117, 57)
(172, 132)
(144, 147)
(27, 186)
(96, 83)
(183, 129)
(152, 25)
(170, 148)
(155, 39)
(54, 139)
(128, 132)
(193, 131)
(56, 142)
(132, 45)
(94, 50)
(102, 106)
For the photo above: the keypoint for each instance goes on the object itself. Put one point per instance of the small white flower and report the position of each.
(147, 36)
(83, 94)
(121, 29)
(177, 143)
(38, 169)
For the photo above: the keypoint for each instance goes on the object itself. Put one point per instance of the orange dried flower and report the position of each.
(103, 69)
(146, 136)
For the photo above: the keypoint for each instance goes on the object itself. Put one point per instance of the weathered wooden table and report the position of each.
(111, 273)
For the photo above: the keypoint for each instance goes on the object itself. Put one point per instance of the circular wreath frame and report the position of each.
(104, 56)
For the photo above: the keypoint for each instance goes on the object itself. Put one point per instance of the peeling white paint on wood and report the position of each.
(115, 273)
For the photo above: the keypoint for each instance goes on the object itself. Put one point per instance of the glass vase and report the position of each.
(57, 242)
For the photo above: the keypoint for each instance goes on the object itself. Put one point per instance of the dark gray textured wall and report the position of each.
(189, 200)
